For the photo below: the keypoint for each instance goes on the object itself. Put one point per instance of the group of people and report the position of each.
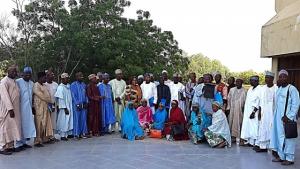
(202, 110)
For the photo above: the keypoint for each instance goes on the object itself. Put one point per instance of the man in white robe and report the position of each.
(267, 105)
(177, 92)
(52, 87)
(168, 82)
(249, 131)
(284, 148)
(118, 86)
(65, 113)
(27, 119)
(149, 91)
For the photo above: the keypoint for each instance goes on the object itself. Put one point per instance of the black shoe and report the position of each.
(26, 146)
(5, 152)
(64, 139)
(255, 148)
(19, 149)
(70, 136)
(261, 150)
(39, 145)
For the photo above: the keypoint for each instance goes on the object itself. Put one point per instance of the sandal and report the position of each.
(285, 162)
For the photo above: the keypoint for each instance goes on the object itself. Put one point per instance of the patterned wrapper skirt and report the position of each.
(213, 139)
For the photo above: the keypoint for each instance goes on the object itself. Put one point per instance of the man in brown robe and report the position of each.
(94, 117)
(10, 122)
(236, 102)
(42, 98)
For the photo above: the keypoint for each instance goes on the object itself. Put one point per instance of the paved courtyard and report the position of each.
(112, 152)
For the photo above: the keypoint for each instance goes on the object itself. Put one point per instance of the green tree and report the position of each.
(201, 64)
(93, 35)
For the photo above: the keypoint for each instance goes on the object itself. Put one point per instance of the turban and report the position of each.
(92, 76)
(27, 69)
(64, 75)
(268, 73)
(118, 71)
(283, 72)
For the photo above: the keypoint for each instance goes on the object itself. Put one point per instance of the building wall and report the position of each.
(280, 4)
(281, 35)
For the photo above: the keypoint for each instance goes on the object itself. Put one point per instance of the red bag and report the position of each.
(155, 134)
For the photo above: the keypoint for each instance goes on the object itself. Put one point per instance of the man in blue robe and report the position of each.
(108, 115)
(79, 100)
(204, 96)
(27, 119)
(284, 147)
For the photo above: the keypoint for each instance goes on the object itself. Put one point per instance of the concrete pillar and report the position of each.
(275, 67)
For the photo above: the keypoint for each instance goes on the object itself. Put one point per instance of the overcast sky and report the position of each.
(227, 30)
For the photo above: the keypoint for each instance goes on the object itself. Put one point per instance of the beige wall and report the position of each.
(280, 4)
(281, 35)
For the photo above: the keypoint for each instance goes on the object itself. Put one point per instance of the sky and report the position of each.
(227, 30)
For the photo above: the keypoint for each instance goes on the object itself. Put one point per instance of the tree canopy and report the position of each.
(91, 36)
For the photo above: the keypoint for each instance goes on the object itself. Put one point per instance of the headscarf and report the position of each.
(176, 114)
(220, 125)
(91, 76)
(160, 118)
(130, 123)
(218, 104)
(144, 114)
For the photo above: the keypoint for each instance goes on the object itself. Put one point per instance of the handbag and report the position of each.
(290, 127)
(155, 134)
(177, 129)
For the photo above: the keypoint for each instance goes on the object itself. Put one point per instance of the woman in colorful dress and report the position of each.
(218, 134)
(145, 115)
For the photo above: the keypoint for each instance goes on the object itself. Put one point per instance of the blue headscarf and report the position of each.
(160, 117)
(130, 123)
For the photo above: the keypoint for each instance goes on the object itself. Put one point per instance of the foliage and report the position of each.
(201, 64)
(245, 75)
(91, 35)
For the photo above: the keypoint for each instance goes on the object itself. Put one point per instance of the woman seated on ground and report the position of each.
(218, 134)
(195, 130)
(145, 115)
(176, 126)
(160, 117)
(199, 121)
(130, 125)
